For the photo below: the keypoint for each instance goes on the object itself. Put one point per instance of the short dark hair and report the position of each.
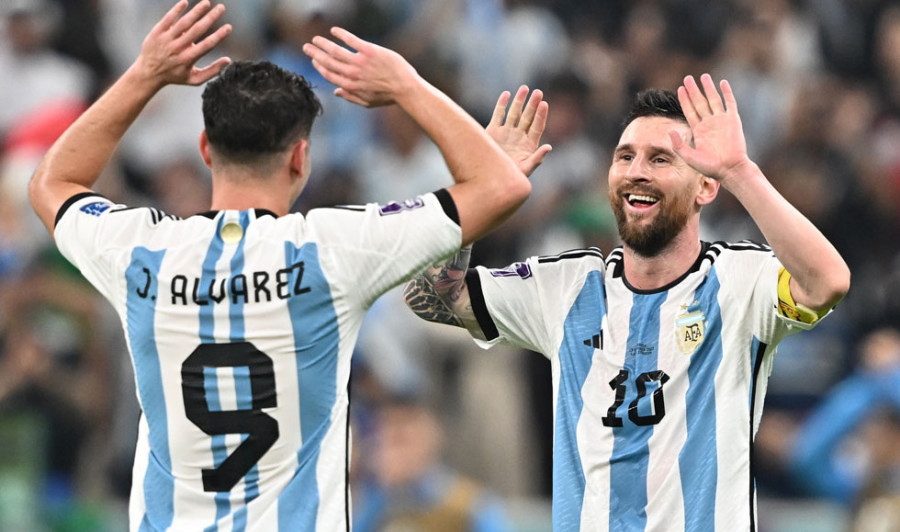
(655, 102)
(254, 109)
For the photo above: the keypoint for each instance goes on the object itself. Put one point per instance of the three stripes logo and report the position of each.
(595, 341)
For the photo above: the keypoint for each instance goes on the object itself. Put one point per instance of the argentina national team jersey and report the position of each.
(657, 394)
(241, 327)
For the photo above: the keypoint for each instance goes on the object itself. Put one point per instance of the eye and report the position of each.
(624, 157)
(660, 160)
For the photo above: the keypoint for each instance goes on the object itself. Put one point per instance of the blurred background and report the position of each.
(449, 437)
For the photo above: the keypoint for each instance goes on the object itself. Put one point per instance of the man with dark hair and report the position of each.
(241, 321)
(660, 352)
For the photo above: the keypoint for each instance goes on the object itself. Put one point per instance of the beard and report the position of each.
(650, 239)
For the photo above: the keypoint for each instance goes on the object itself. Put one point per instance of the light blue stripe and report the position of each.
(243, 389)
(631, 454)
(207, 336)
(159, 486)
(316, 340)
(698, 460)
(583, 321)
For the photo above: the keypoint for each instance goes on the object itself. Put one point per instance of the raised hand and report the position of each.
(169, 52)
(720, 150)
(371, 76)
(519, 130)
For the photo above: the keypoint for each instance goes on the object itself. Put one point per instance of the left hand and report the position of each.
(169, 53)
(519, 134)
(720, 150)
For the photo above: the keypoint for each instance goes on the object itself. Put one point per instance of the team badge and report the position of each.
(394, 207)
(690, 327)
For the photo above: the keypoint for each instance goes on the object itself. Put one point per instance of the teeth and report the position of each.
(637, 197)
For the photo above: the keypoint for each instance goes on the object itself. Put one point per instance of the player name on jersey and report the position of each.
(249, 287)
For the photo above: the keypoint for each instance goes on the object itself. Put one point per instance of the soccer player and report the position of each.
(241, 321)
(660, 353)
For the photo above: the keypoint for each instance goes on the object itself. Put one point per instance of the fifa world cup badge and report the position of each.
(690, 326)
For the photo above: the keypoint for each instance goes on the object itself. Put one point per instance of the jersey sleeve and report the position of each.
(526, 303)
(381, 246)
(771, 322)
(89, 229)
(507, 304)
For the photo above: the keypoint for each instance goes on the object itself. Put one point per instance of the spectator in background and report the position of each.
(401, 479)
(863, 409)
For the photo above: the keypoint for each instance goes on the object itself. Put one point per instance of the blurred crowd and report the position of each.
(449, 437)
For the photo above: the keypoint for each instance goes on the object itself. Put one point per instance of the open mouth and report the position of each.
(641, 200)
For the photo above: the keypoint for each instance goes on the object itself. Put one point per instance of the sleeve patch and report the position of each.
(95, 209)
(396, 207)
(521, 269)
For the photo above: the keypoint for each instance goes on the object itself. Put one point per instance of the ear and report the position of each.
(300, 158)
(204, 149)
(708, 189)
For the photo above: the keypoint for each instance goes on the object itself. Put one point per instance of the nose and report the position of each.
(636, 170)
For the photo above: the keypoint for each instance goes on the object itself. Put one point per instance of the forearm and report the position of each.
(440, 294)
(820, 277)
(78, 157)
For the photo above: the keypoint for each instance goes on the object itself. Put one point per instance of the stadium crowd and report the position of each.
(819, 86)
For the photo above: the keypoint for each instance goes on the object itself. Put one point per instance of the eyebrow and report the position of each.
(654, 149)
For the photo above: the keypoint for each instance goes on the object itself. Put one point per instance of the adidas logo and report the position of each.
(595, 341)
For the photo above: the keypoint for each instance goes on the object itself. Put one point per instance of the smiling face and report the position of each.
(653, 192)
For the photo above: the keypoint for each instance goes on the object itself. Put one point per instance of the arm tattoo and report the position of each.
(425, 302)
(433, 293)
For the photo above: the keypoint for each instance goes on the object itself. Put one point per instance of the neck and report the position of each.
(242, 192)
(653, 272)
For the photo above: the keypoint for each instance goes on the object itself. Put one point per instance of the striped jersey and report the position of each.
(241, 326)
(657, 394)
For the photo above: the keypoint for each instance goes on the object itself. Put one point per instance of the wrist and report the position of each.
(743, 177)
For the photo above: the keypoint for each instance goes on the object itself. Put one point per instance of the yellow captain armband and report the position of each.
(790, 309)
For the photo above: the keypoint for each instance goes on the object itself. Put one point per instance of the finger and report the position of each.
(332, 76)
(712, 95)
(351, 97)
(324, 61)
(515, 110)
(728, 94)
(203, 47)
(537, 157)
(170, 17)
(349, 39)
(196, 30)
(540, 121)
(333, 49)
(530, 109)
(190, 18)
(202, 75)
(687, 107)
(697, 98)
(499, 110)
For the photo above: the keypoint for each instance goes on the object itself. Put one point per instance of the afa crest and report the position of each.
(690, 327)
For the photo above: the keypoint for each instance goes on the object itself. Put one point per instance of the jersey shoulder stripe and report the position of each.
(743, 245)
(571, 254)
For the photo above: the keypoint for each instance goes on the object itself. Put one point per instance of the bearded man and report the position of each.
(660, 351)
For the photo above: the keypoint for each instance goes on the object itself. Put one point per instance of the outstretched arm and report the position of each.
(168, 56)
(440, 293)
(489, 185)
(819, 276)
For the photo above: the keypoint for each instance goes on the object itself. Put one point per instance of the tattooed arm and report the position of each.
(440, 294)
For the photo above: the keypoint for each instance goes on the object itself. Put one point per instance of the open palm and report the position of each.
(519, 131)
(720, 148)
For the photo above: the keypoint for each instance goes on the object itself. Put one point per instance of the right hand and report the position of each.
(519, 134)
(371, 77)
(169, 53)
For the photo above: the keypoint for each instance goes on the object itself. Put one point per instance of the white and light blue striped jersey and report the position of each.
(657, 394)
(241, 326)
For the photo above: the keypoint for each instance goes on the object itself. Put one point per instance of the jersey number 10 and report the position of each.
(659, 402)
